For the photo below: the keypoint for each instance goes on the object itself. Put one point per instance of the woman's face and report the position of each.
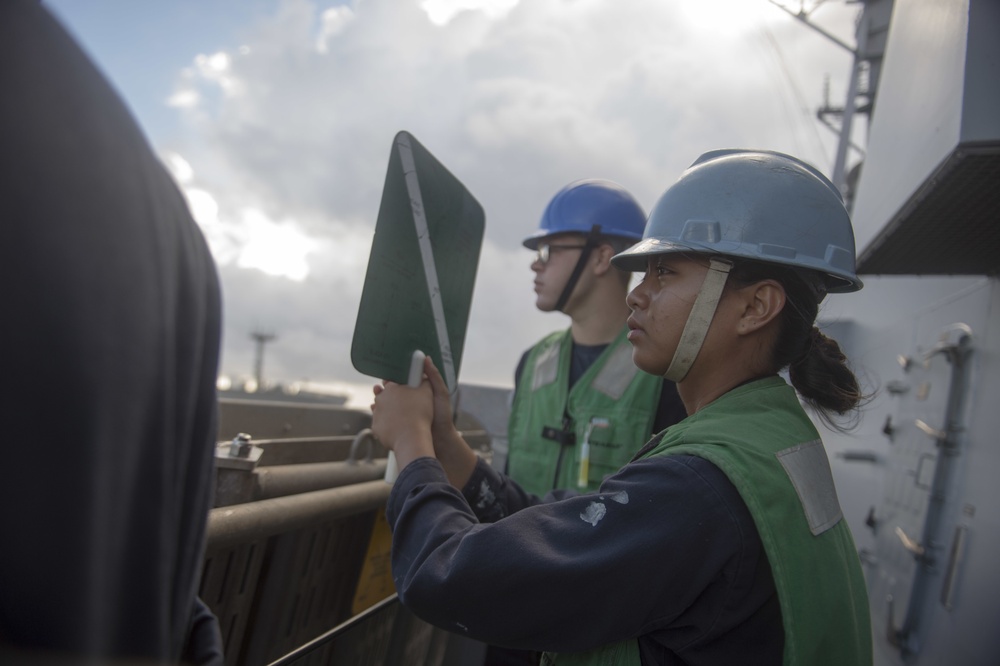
(660, 306)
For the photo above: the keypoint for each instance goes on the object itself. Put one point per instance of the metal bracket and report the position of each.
(240, 454)
(953, 351)
(918, 551)
(859, 455)
(897, 387)
(955, 345)
(940, 435)
(892, 634)
(955, 555)
(365, 435)
(887, 428)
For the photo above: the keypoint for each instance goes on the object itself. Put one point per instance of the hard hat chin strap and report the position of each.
(699, 320)
(593, 239)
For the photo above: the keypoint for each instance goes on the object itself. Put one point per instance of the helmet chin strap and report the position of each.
(700, 318)
(592, 241)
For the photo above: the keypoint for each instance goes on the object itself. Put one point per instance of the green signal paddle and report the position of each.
(421, 272)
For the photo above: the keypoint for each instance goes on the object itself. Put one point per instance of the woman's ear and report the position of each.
(762, 302)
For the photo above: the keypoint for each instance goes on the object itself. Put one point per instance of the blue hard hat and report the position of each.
(754, 204)
(584, 204)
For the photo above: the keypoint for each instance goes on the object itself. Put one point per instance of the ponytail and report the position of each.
(817, 367)
(824, 380)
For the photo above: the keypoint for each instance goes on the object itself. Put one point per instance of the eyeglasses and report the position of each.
(545, 250)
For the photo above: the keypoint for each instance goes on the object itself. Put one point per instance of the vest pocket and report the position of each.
(608, 454)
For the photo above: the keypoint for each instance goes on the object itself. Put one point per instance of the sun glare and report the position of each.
(730, 17)
(278, 249)
(440, 12)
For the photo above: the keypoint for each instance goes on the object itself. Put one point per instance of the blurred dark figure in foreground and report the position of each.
(110, 344)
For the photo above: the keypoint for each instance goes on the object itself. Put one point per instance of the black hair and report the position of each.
(817, 367)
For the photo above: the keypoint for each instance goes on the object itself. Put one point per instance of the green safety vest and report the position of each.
(761, 438)
(612, 388)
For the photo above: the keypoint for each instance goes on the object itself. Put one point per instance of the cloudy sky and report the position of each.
(276, 118)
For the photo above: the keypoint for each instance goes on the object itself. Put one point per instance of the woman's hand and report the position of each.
(451, 449)
(402, 418)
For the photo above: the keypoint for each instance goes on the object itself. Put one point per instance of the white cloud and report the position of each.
(247, 238)
(216, 68)
(179, 167)
(184, 99)
(290, 134)
(333, 21)
(441, 12)
(277, 249)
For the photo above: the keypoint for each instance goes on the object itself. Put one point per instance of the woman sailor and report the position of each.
(723, 540)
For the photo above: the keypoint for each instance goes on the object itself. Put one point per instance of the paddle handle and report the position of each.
(413, 379)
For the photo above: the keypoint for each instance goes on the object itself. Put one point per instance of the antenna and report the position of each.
(862, 56)
(803, 16)
(261, 338)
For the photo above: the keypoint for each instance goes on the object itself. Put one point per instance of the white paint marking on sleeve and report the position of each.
(621, 497)
(594, 513)
(486, 496)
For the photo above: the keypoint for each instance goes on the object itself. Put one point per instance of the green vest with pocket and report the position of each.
(612, 389)
(760, 437)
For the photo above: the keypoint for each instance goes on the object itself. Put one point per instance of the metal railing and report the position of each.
(297, 557)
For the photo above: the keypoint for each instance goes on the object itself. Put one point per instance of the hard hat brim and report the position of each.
(636, 258)
(534, 240)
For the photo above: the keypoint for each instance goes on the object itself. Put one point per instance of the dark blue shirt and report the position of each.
(666, 552)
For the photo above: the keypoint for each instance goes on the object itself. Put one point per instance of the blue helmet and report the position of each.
(585, 204)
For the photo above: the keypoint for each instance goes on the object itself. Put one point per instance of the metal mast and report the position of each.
(871, 33)
(260, 338)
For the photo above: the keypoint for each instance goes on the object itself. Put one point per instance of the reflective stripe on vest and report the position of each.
(760, 437)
